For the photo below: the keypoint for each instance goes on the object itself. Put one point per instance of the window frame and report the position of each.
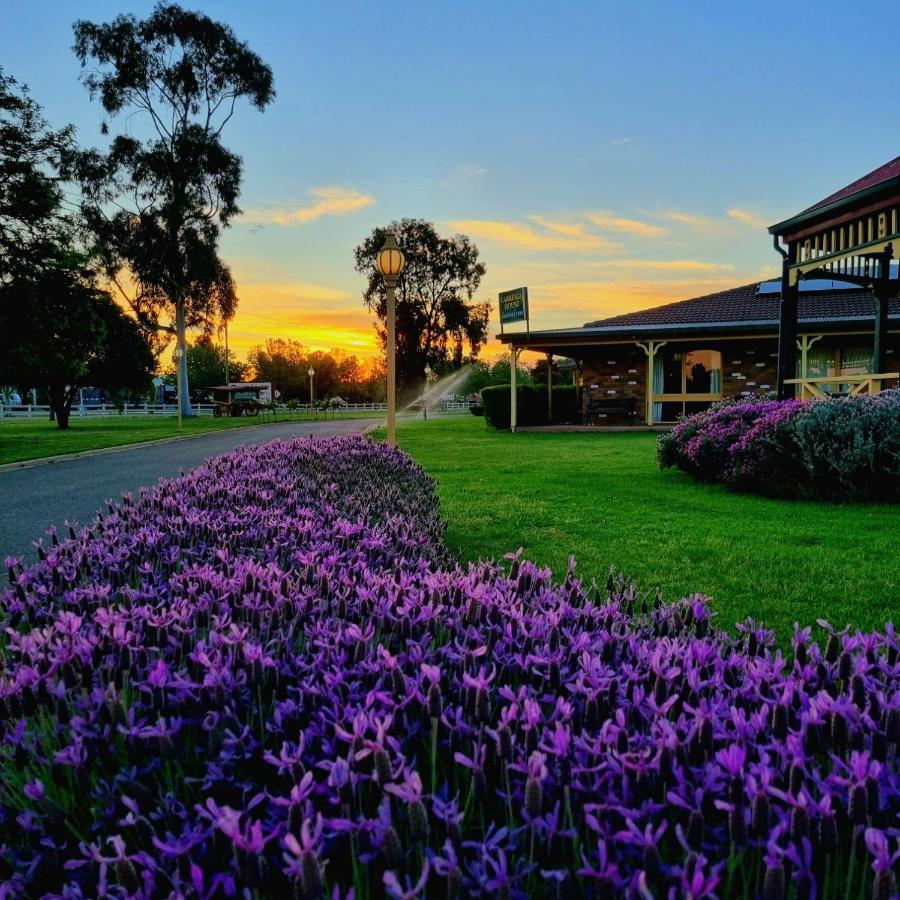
(685, 397)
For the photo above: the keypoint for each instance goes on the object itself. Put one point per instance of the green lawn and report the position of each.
(602, 498)
(25, 439)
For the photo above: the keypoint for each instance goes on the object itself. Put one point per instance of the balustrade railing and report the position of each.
(843, 385)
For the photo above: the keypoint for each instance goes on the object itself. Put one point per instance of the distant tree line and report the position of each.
(286, 364)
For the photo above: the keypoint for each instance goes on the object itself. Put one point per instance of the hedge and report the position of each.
(531, 405)
(839, 449)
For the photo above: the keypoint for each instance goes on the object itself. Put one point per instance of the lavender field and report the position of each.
(267, 677)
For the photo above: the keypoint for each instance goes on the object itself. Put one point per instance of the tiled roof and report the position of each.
(747, 304)
(882, 173)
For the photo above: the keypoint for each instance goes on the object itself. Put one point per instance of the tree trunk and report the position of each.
(181, 340)
(61, 406)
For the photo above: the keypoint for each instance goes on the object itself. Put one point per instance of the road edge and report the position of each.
(102, 451)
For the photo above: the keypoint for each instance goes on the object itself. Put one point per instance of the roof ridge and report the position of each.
(859, 184)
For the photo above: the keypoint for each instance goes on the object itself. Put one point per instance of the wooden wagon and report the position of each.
(236, 400)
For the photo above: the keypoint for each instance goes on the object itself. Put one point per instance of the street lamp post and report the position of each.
(425, 397)
(390, 265)
(177, 354)
(311, 372)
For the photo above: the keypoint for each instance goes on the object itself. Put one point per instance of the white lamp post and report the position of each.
(177, 354)
(390, 264)
(311, 372)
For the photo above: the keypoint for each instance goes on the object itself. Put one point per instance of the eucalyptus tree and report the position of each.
(437, 322)
(157, 198)
(35, 232)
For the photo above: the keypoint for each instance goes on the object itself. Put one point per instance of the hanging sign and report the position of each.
(513, 305)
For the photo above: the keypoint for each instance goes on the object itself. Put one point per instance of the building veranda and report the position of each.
(830, 325)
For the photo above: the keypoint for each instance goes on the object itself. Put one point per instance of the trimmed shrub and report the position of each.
(839, 449)
(531, 405)
(264, 678)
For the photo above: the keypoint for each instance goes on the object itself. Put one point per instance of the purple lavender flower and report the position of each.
(268, 676)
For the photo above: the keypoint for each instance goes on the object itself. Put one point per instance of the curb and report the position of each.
(103, 451)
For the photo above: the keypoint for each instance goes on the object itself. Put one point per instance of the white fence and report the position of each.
(460, 404)
(100, 410)
(108, 410)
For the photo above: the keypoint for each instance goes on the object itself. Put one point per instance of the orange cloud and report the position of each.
(704, 224)
(745, 217)
(610, 222)
(570, 229)
(331, 201)
(552, 236)
(668, 265)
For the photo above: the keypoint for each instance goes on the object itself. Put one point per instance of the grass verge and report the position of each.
(27, 439)
(601, 498)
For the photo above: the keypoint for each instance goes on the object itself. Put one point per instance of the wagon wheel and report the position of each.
(252, 410)
(217, 411)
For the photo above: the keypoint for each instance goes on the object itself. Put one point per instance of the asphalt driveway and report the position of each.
(32, 499)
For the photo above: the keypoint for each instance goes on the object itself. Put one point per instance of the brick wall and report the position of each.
(616, 371)
(748, 367)
(620, 370)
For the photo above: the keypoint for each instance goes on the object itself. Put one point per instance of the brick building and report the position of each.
(653, 365)
(831, 321)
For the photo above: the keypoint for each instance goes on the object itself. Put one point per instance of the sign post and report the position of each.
(514, 308)
(513, 406)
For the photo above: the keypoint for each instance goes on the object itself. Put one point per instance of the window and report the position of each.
(856, 361)
(832, 362)
(703, 372)
(679, 373)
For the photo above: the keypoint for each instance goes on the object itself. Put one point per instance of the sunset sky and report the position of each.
(609, 156)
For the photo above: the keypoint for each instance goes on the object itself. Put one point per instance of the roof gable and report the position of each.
(883, 173)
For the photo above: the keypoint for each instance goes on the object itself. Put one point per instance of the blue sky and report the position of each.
(608, 155)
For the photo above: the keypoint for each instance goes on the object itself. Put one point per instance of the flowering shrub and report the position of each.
(265, 678)
(837, 449)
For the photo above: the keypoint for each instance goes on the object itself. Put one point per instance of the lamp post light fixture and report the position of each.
(177, 355)
(390, 265)
(311, 372)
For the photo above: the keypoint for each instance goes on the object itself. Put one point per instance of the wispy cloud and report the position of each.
(569, 229)
(669, 265)
(331, 200)
(471, 170)
(464, 175)
(550, 235)
(610, 222)
(704, 224)
(746, 217)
